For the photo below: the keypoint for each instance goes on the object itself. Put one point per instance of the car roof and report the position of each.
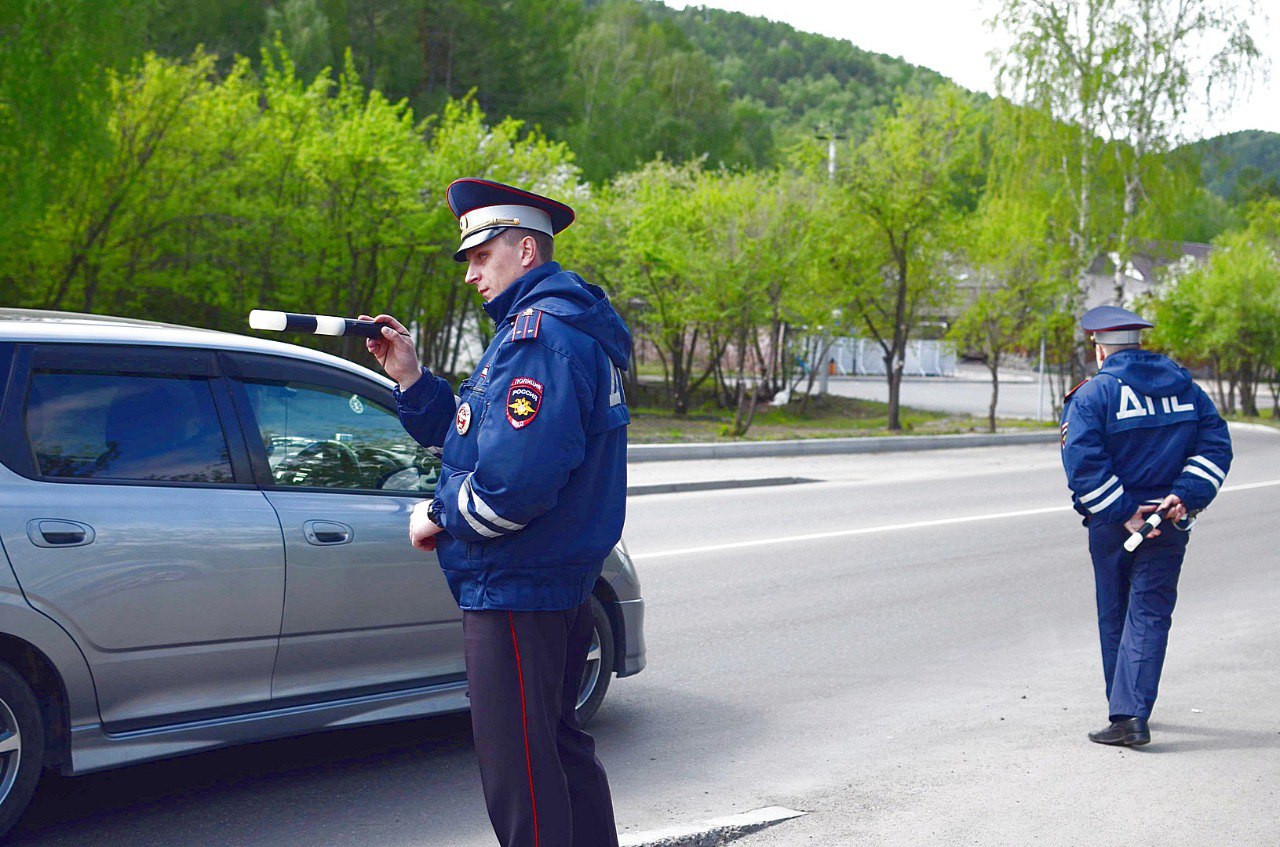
(61, 327)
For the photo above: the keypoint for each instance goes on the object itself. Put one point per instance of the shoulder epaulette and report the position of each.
(527, 325)
(1076, 388)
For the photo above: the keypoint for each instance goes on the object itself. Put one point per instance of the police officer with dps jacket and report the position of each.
(530, 501)
(1138, 437)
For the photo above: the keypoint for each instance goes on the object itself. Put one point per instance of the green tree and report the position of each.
(220, 193)
(1227, 311)
(639, 88)
(55, 56)
(753, 241)
(303, 29)
(225, 28)
(1017, 283)
(1119, 75)
(510, 56)
(645, 241)
(909, 184)
(100, 232)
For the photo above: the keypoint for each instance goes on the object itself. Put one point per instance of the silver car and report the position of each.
(203, 541)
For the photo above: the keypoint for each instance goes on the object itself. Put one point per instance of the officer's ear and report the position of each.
(528, 252)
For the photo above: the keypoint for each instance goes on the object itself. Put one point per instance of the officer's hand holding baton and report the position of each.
(386, 338)
(394, 351)
(1171, 508)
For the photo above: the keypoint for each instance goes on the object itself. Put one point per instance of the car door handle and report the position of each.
(327, 533)
(59, 533)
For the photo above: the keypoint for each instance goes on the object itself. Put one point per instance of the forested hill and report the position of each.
(809, 80)
(1240, 165)
(620, 80)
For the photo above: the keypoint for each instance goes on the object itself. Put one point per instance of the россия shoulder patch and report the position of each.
(524, 398)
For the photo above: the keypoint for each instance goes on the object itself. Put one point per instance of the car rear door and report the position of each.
(364, 610)
(139, 530)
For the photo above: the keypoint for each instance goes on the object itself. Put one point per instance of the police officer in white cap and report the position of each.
(1141, 436)
(531, 500)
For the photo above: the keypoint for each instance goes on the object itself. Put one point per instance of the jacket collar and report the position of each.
(501, 307)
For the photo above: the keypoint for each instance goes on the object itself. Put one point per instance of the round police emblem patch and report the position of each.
(463, 421)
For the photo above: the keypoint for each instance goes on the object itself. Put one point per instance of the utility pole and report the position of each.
(831, 137)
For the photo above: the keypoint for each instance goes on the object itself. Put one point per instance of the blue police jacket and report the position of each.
(532, 493)
(1138, 431)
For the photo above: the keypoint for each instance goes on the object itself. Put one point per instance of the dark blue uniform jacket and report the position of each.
(533, 488)
(1138, 431)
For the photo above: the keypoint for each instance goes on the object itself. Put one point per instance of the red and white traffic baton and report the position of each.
(314, 324)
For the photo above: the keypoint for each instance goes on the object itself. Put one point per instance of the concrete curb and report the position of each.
(1242, 425)
(715, 485)
(828, 446)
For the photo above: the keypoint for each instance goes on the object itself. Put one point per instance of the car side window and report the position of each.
(317, 436)
(86, 425)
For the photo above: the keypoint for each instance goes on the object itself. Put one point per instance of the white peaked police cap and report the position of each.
(485, 208)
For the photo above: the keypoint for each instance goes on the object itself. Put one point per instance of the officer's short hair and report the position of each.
(511, 236)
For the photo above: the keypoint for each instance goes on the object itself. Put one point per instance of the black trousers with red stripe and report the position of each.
(543, 784)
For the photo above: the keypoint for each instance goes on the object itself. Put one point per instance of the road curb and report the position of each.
(827, 446)
(715, 485)
(1242, 425)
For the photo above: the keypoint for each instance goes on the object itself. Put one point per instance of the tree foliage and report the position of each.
(54, 61)
(224, 193)
(1227, 312)
(195, 184)
(1121, 74)
(909, 185)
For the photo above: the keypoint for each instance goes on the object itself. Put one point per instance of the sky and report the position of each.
(951, 37)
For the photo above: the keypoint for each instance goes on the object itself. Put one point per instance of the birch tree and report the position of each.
(1121, 76)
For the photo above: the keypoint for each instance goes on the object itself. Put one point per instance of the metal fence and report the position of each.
(863, 357)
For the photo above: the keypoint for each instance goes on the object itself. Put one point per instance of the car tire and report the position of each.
(22, 746)
(600, 662)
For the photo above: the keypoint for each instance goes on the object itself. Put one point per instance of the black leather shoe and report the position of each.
(1130, 732)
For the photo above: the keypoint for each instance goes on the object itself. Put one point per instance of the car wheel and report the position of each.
(599, 668)
(21, 746)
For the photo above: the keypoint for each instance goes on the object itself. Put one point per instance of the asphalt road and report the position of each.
(906, 650)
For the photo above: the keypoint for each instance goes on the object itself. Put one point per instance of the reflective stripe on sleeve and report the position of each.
(464, 506)
(1115, 495)
(1193, 469)
(1214, 469)
(1100, 490)
(485, 511)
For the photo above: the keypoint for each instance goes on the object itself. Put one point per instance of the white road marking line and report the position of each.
(710, 832)
(867, 530)
(842, 533)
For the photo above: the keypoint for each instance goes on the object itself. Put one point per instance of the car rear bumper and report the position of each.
(631, 613)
